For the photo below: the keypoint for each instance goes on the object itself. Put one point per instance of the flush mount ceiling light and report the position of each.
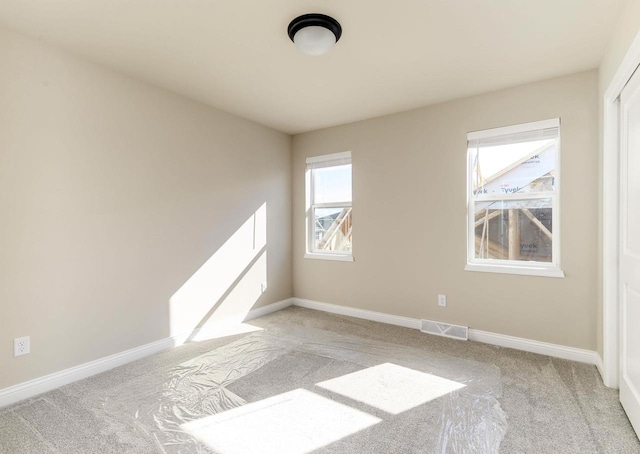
(314, 34)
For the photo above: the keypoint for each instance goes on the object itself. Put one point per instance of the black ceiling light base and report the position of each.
(317, 20)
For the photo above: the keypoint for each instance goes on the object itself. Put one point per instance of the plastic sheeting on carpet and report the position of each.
(462, 415)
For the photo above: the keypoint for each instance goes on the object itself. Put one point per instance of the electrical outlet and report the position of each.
(263, 287)
(21, 346)
(442, 300)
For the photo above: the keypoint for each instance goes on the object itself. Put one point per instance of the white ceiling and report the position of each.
(394, 55)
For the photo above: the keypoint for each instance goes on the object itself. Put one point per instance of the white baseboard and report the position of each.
(533, 346)
(517, 343)
(268, 309)
(212, 328)
(359, 313)
(40, 385)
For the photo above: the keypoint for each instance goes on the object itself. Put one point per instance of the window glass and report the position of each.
(514, 230)
(332, 184)
(332, 229)
(515, 168)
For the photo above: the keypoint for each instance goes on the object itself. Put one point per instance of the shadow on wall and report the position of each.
(228, 284)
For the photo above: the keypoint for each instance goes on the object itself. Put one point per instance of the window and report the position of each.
(513, 185)
(329, 210)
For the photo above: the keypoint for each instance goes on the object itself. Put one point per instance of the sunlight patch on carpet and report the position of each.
(296, 422)
(391, 388)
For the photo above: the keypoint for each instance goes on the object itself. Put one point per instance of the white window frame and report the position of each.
(341, 158)
(532, 268)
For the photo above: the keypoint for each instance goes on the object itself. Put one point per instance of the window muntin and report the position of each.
(513, 181)
(329, 206)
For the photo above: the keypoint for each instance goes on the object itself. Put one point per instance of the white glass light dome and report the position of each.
(314, 40)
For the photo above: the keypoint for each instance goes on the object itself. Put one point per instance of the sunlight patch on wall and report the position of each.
(228, 283)
(391, 388)
(295, 422)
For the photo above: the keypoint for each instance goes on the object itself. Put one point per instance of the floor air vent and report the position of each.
(445, 329)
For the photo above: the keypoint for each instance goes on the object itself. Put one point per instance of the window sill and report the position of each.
(336, 257)
(511, 269)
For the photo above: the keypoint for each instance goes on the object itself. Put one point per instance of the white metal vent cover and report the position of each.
(445, 329)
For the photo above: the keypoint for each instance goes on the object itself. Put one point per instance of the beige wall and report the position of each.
(409, 181)
(626, 29)
(113, 194)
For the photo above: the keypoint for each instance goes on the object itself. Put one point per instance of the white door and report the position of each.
(630, 250)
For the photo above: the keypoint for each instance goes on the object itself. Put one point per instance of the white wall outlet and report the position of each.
(263, 287)
(21, 346)
(442, 300)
